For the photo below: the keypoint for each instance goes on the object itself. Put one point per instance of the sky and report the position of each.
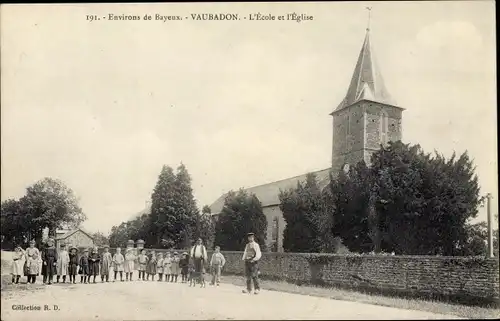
(103, 105)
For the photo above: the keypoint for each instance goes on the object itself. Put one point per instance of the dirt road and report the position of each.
(146, 300)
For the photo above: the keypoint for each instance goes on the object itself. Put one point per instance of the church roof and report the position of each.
(268, 194)
(367, 82)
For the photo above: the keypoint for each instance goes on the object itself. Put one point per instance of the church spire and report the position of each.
(367, 82)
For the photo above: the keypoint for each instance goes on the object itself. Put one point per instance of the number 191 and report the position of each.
(91, 17)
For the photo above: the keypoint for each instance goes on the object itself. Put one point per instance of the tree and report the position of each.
(186, 214)
(242, 213)
(163, 207)
(119, 235)
(423, 201)
(50, 203)
(348, 202)
(302, 210)
(14, 225)
(476, 243)
(206, 227)
(407, 202)
(100, 239)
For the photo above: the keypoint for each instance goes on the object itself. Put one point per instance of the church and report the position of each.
(366, 118)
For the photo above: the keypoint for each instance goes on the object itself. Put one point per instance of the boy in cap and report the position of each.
(73, 264)
(251, 256)
(216, 264)
(84, 267)
(183, 265)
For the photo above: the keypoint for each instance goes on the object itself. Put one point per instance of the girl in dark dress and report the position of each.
(84, 267)
(94, 263)
(50, 261)
(73, 264)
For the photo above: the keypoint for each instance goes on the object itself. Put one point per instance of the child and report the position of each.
(62, 263)
(159, 267)
(167, 266)
(50, 260)
(151, 266)
(84, 267)
(29, 253)
(129, 263)
(118, 261)
(143, 261)
(73, 264)
(106, 262)
(191, 274)
(216, 264)
(183, 265)
(33, 267)
(94, 262)
(175, 267)
(18, 264)
(43, 270)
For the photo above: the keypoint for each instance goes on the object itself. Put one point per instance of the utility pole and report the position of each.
(490, 226)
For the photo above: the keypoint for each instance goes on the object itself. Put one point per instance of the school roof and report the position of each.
(268, 194)
(71, 232)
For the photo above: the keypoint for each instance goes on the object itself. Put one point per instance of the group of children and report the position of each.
(89, 265)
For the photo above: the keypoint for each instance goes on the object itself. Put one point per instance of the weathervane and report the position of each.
(369, 17)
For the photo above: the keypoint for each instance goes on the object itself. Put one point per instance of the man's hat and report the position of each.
(32, 242)
(62, 244)
(73, 248)
(250, 234)
(105, 247)
(85, 250)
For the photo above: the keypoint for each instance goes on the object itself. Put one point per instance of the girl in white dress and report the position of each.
(17, 264)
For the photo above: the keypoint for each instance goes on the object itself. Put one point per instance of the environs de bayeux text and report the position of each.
(297, 17)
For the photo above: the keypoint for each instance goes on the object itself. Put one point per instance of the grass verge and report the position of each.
(463, 311)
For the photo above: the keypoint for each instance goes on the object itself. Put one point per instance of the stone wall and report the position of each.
(472, 280)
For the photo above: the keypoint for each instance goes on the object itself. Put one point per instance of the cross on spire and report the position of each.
(369, 17)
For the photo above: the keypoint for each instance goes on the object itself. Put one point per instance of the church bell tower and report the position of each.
(367, 117)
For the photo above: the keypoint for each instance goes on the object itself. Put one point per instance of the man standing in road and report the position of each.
(199, 257)
(251, 257)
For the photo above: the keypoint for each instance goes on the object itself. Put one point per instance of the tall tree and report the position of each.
(186, 214)
(206, 227)
(242, 213)
(163, 207)
(348, 203)
(302, 210)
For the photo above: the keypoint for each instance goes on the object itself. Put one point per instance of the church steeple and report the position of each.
(367, 82)
(367, 117)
